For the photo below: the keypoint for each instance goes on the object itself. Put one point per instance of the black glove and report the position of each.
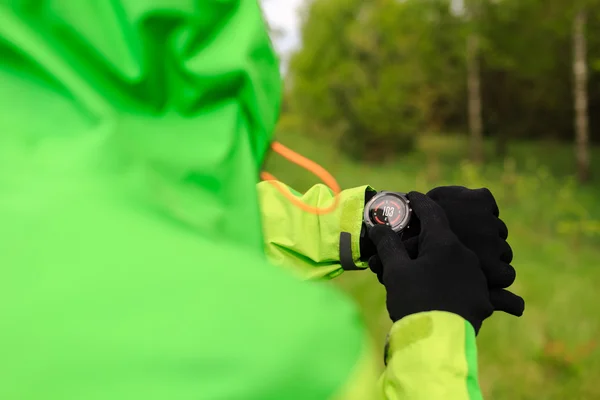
(473, 217)
(445, 276)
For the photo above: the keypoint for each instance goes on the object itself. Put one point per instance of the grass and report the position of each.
(549, 353)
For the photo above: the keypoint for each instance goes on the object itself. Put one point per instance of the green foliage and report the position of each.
(527, 66)
(555, 209)
(371, 73)
(376, 73)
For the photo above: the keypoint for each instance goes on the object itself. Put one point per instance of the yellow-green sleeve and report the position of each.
(430, 356)
(306, 243)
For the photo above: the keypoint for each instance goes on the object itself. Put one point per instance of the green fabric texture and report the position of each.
(471, 356)
(431, 355)
(309, 244)
(130, 239)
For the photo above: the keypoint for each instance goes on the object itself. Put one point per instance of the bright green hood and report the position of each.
(168, 102)
(131, 137)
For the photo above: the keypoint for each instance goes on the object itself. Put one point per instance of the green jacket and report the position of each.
(133, 262)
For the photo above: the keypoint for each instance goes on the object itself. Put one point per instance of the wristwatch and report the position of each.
(388, 208)
(382, 208)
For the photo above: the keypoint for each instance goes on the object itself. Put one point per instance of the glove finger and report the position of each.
(434, 226)
(389, 245)
(486, 196)
(444, 192)
(482, 198)
(508, 302)
(502, 229)
(506, 252)
(430, 214)
(413, 229)
(435, 229)
(412, 247)
(498, 274)
(376, 266)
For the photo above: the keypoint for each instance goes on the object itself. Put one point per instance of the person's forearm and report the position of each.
(306, 243)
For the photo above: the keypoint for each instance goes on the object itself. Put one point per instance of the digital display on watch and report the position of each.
(387, 208)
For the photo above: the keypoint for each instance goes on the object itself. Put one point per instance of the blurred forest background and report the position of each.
(505, 94)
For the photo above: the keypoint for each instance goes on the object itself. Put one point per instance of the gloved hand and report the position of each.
(473, 217)
(445, 275)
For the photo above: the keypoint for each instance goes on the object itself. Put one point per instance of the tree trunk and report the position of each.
(580, 96)
(502, 109)
(474, 86)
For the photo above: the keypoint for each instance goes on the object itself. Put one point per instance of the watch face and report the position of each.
(388, 209)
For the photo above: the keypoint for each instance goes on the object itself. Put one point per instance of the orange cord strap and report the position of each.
(311, 166)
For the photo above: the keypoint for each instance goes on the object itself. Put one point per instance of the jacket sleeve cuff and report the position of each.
(432, 344)
(351, 220)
